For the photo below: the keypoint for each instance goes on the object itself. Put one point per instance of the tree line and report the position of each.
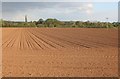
(50, 22)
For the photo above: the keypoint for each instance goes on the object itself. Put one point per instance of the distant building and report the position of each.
(25, 18)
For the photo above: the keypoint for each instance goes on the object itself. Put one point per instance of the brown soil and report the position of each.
(60, 52)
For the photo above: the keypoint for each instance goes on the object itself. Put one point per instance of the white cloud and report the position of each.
(90, 5)
(87, 8)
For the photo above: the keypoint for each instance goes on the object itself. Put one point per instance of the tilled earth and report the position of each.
(59, 52)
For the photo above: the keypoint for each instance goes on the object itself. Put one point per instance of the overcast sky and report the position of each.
(60, 0)
(93, 11)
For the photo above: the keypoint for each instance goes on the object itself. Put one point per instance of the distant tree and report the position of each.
(77, 23)
(52, 22)
(40, 21)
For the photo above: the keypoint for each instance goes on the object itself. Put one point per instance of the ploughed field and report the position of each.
(59, 52)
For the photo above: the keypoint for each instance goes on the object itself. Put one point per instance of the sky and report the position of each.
(60, 0)
(119, 12)
(65, 11)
